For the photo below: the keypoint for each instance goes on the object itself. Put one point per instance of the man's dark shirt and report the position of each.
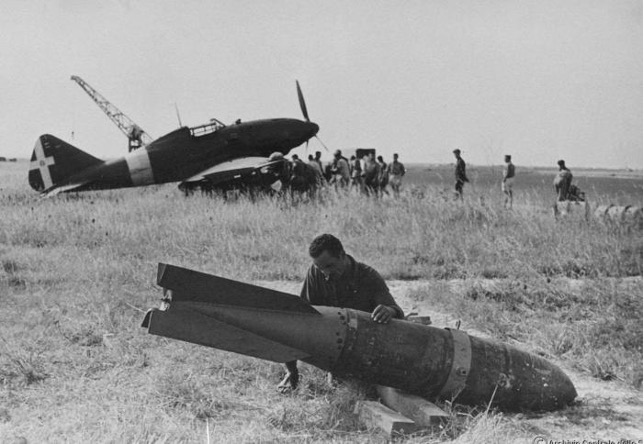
(360, 288)
(460, 170)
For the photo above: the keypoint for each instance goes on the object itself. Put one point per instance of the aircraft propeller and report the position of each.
(305, 112)
(300, 97)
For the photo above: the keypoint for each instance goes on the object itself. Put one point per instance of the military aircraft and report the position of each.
(205, 156)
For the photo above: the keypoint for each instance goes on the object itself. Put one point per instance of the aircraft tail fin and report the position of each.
(53, 161)
(228, 315)
(193, 286)
(189, 325)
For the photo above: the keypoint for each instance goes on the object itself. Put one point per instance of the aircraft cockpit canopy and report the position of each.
(206, 128)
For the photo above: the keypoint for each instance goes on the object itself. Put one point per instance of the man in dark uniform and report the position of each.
(459, 173)
(337, 280)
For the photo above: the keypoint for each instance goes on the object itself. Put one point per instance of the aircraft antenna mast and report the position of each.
(136, 137)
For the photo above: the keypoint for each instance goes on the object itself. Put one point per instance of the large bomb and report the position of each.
(427, 361)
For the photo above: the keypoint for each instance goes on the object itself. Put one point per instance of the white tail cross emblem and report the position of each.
(42, 163)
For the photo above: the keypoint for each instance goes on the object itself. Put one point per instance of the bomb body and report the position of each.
(423, 360)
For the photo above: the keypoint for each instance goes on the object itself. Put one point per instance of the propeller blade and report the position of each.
(300, 97)
(327, 150)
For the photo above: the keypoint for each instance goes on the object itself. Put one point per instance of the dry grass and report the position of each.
(76, 270)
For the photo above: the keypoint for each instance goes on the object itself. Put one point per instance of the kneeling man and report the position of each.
(337, 280)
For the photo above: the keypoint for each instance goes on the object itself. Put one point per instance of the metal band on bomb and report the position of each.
(461, 363)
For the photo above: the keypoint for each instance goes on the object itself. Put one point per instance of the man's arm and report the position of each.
(308, 287)
(386, 307)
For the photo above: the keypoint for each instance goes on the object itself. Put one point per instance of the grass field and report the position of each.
(78, 271)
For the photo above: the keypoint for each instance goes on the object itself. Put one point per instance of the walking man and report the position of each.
(508, 181)
(459, 173)
(396, 171)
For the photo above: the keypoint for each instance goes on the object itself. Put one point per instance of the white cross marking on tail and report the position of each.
(42, 163)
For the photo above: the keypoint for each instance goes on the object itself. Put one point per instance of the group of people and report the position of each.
(564, 189)
(372, 176)
(507, 182)
(369, 174)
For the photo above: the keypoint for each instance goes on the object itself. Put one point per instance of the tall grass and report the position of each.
(77, 270)
(407, 238)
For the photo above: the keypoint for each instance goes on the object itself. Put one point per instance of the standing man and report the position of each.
(340, 169)
(383, 178)
(304, 177)
(371, 174)
(337, 280)
(396, 171)
(317, 169)
(562, 182)
(459, 174)
(318, 159)
(356, 174)
(508, 180)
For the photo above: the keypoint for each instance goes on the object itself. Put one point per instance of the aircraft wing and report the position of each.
(232, 169)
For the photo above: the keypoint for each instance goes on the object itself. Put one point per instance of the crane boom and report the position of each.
(134, 133)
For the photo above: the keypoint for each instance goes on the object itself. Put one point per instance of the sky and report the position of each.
(541, 80)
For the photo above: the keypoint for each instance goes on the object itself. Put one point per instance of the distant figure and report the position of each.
(304, 177)
(340, 169)
(459, 174)
(356, 174)
(318, 159)
(315, 166)
(508, 181)
(562, 182)
(383, 180)
(396, 171)
(371, 174)
(335, 279)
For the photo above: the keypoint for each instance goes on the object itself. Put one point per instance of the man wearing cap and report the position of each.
(562, 181)
(508, 180)
(337, 280)
(459, 174)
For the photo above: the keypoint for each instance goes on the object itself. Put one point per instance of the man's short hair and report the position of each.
(508, 157)
(457, 151)
(561, 162)
(326, 242)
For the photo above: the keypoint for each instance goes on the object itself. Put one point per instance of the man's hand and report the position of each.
(383, 314)
(291, 379)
